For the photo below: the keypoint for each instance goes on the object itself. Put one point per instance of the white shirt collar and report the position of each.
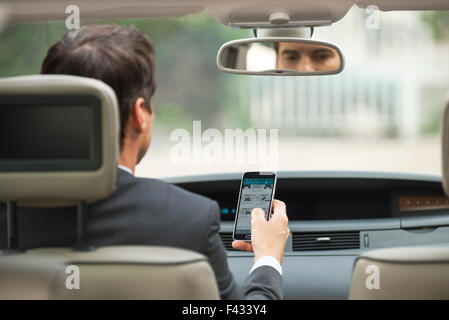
(125, 169)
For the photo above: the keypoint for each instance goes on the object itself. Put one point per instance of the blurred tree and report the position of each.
(438, 21)
(189, 84)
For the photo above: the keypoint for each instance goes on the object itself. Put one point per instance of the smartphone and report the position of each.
(256, 191)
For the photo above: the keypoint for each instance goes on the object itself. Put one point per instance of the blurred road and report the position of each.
(419, 156)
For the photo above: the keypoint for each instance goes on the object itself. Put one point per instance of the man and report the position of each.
(306, 57)
(146, 211)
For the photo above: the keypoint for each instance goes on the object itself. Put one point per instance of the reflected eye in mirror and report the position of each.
(280, 56)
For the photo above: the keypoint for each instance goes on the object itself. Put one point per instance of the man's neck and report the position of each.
(126, 163)
(128, 157)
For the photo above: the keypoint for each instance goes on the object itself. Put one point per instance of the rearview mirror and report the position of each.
(280, 56)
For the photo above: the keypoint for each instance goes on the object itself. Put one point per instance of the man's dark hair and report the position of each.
(121, 57)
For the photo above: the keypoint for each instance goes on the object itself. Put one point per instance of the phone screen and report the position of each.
(256, 192)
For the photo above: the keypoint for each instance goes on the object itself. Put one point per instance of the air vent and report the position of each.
(226, 238)
(326, 241)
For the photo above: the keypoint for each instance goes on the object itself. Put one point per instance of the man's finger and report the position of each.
(257, 213)
(279, 209)
(277, 204)
(242, 245)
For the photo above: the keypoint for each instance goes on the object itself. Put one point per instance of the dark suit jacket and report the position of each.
(146, 212)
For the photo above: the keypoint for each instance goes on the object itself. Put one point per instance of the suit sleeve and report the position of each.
(264, 283)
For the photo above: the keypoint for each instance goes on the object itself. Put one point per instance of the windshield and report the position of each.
(382, 113)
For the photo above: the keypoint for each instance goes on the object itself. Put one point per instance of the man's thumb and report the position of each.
(257, 213)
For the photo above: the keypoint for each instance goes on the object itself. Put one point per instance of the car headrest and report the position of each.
(59, 140)
(445, 148)
(402, 273)
(111, 273)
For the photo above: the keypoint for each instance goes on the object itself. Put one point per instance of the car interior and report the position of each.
(342, 222)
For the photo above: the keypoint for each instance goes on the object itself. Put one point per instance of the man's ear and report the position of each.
(138, 115)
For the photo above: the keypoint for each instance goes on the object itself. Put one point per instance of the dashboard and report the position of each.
(338, 196)
(334, 217)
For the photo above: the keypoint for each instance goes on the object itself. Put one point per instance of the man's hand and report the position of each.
(268, 238)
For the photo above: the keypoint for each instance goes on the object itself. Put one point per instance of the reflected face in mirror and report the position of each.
(280, 56)
(305, 57)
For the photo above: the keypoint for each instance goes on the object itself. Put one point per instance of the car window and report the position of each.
(382, 113)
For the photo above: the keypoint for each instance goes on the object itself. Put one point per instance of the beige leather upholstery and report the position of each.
(404, 273)
(65, 187)
(122, 272)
